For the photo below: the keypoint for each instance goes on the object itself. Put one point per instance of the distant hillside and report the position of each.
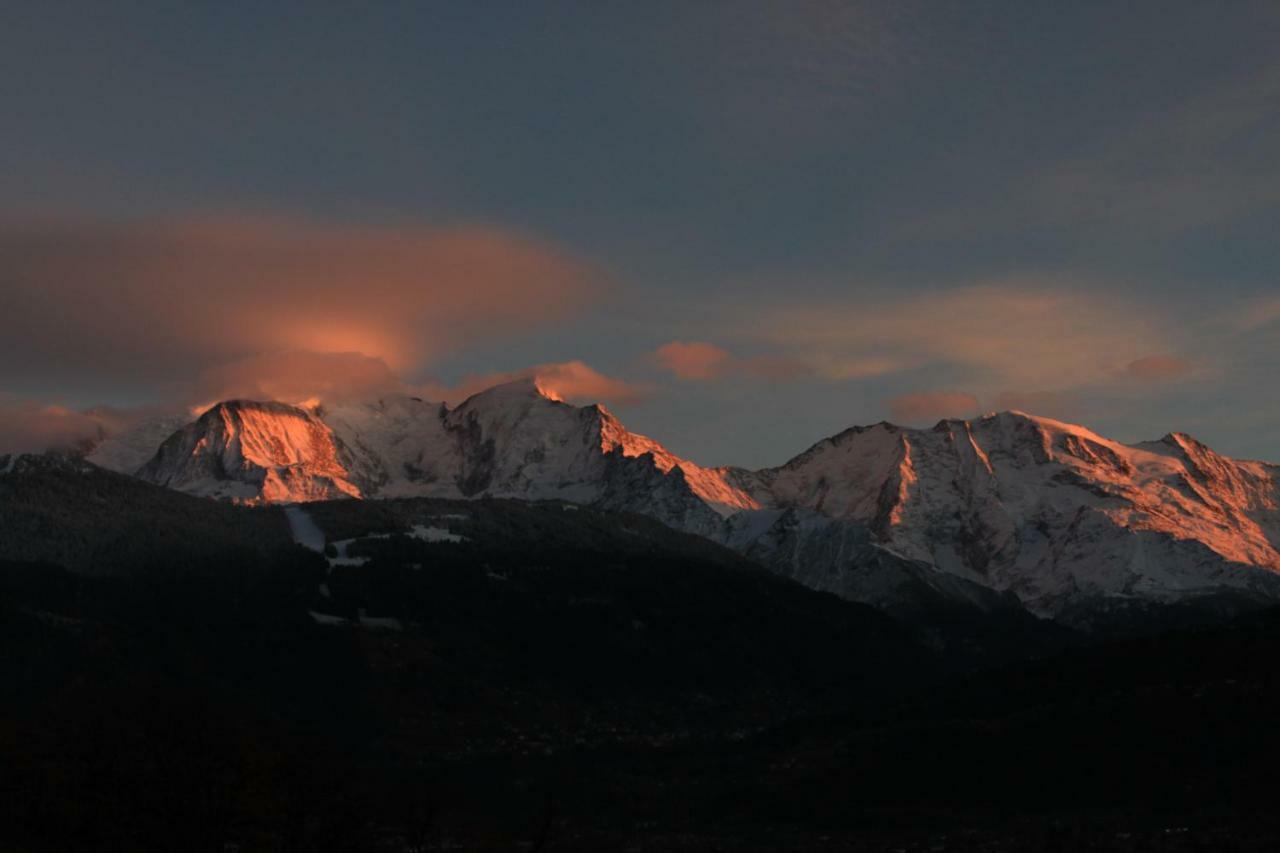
(62, 510)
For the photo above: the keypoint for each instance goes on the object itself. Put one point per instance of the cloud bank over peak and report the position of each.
(143, 302)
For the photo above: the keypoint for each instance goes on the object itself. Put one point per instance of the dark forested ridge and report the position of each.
(60, 509)
(501, 675)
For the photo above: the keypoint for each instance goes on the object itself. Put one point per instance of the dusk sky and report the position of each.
(743, 226)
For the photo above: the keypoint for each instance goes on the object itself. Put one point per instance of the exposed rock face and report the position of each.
(513, 440)
(251, 452)
(1049, 511)
(1005, 505)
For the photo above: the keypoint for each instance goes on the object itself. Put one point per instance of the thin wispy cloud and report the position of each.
(1022, 332)
(701, 360)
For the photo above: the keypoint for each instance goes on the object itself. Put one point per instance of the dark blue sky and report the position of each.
(854, 210)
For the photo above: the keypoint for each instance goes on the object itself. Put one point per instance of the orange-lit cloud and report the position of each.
(301, 378)
(1025, 332)
(573, 381)
(297, 376)
(31, 427)
(692, 359)
(699, 360)
(1158, 368)
(164, 300)
(336, 377)
(773, 366)
(932, 406)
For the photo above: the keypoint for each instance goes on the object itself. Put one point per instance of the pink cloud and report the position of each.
(700, 360)
(774, 367)
(573, 381)
(330, 377)
(30, 427)
(297, 376)
(1032, 331)
(932, 406)
(1158, 368)
(146, 302)
(693, 359)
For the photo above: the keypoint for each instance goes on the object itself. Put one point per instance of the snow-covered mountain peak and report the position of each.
(517, 439)
(524, 388)
(253, 451)
(1047, 510)
(716, 486)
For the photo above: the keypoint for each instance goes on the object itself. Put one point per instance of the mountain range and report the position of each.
(1006, 510)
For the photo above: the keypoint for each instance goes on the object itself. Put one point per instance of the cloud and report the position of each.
(693, 359)
(1029, 331)
(774, 367)
(842, 368)
(142, 302)
(335, 377)
(1252, 316)
(297, 376)
(1158, 368)
(699, 360)
(27, 426)
(932, 406)
(573, 381)
(33, 426)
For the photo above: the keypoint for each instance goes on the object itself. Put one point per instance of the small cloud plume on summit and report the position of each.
(572, 381)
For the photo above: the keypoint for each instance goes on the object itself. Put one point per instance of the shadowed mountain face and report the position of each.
(1008, 509)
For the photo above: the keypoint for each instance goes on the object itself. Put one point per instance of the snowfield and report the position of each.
(1008, 503)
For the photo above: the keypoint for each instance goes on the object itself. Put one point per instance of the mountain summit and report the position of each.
(513, 440)
(1005, 505)
(1049, 511)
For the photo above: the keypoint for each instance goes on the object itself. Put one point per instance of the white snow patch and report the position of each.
(379, 623)
(435, 534)
(343, 559)
(305, 531)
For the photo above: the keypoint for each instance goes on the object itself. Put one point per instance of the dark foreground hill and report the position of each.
(304, 706)
(536, 677)
(60, 509)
